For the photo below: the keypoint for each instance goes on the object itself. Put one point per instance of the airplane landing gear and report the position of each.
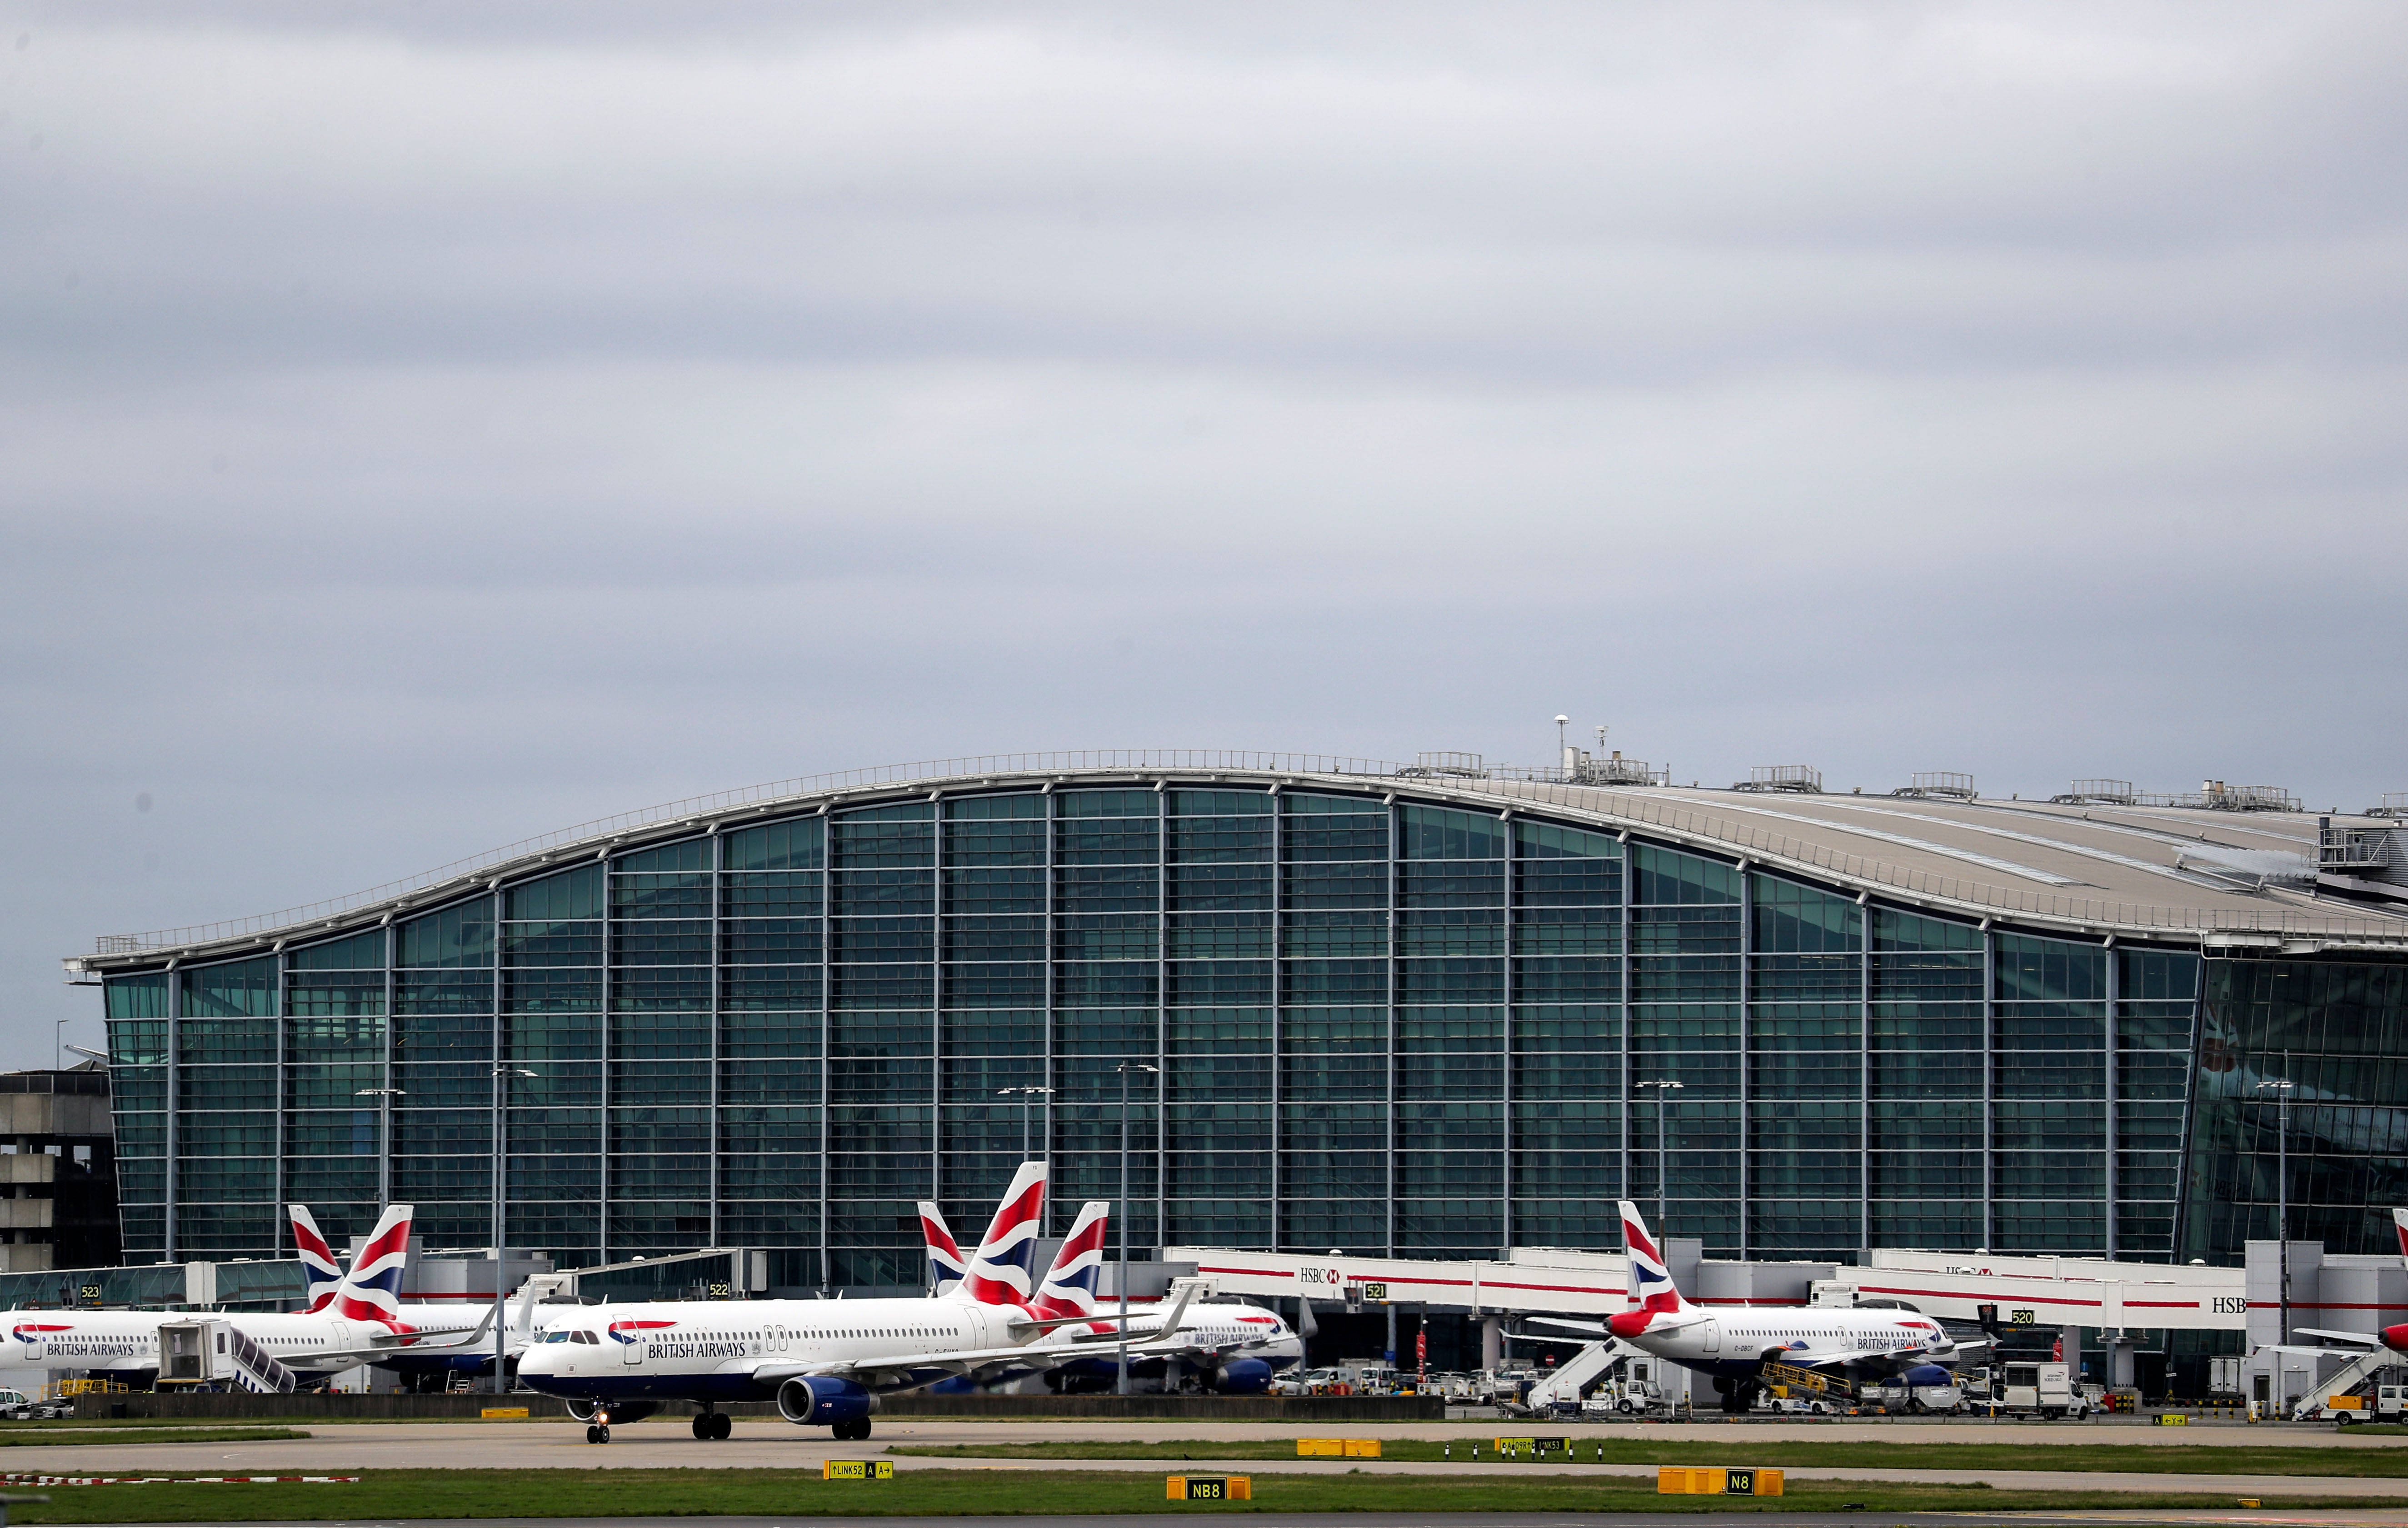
(712, 1425)
(598, 1433)
(849, 1432)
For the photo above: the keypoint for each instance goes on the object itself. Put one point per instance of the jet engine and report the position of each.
(1928, 1374)
(819, 1401)
(1242, 1377)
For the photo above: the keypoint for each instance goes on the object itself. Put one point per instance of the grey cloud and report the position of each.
(424, 425)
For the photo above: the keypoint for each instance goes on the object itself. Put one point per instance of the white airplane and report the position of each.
(825, 1361)
(375, 1295)
(358, 1321)
(1237, 1346)
(1733, 1345)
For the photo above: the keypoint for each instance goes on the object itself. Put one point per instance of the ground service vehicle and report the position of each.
(2224, 1377)
(2040, 1390)
(1936, 1398)
(1740, 1347)
(16, 1405)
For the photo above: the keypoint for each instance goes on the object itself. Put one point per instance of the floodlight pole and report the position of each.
(1664, 1089)
(2281, 1091)
(503, 1072)
(1027, 1102)
(1121, 1384)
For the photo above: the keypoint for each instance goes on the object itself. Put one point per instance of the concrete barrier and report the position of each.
(229, 1407)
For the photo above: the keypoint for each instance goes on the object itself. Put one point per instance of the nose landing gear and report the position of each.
(598, 1433)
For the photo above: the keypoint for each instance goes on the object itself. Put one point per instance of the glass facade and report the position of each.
(1372, 1024)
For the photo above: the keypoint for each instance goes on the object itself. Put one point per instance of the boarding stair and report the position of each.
(1563, 1385)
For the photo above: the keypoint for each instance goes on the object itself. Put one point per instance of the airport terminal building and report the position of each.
(1430, 1011)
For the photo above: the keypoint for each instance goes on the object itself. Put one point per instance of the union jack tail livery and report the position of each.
(1069, 1287)
(1653, 1294)
(371, 1291)
(317, 1265)
(1003, 1271)
(946, 1266)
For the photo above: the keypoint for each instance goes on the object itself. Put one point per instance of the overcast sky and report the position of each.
(423, 425)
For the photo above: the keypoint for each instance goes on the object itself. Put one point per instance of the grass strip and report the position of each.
(2031, 1454)
(156, 1435)
(390, 1494)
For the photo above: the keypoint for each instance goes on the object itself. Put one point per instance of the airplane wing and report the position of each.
(1832, 1358)
(1157, 1318)
(964, 1362)
(2368, 1338)
(1840, 1358)
(1665, 1320)
(383, 1345)
(1595, 1329)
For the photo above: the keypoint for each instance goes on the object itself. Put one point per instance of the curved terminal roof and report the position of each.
(2208, 877)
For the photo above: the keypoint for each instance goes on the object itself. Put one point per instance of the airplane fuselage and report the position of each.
(743, 1351)
(126, 1342)
(1240, 1330)
(1736, 1343)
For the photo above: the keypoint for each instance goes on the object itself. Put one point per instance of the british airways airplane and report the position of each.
(1733, 1345)
(359, 1319)
(825, 1361)
(1236, 1346)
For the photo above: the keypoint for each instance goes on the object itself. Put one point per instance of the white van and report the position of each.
(2040, 1390)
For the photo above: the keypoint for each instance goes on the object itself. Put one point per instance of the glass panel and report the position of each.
(1667, 877)
(461, 935)
(574, 893)
(1790, 918)
(136, 997)
(359, 952)
(797, 845)
(1434, 833)
(2044, 969)
(242, 987)
(691, 855)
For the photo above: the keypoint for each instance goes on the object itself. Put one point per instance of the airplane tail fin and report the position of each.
(1002, 1272)
(322, 1273)
(1651, 1277)
(371, 1291)
(947, 1267)
(1069, 1286)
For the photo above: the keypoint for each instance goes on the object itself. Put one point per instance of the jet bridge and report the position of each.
(1954, 1286)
